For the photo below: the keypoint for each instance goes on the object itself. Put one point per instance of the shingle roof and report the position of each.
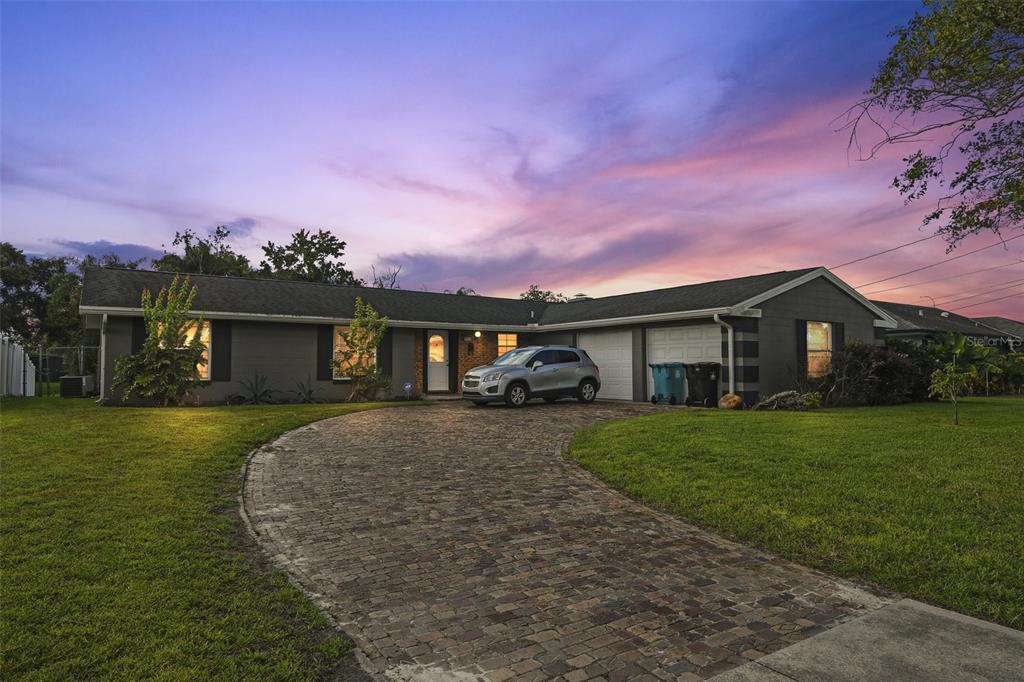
(117, 288)
(919, 318)
(1004, 324)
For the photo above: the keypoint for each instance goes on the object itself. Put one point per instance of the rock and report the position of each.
(730, 401)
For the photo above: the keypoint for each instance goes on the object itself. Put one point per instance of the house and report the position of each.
(766, 330)
(926, 323)
(1013, 329)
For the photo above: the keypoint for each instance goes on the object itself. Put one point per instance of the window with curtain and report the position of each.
(204, 336)
(507, 342)
(819, 349)
(342, 366)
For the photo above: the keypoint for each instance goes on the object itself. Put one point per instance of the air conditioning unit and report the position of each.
(77, 387)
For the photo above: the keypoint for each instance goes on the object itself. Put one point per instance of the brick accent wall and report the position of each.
(417, 363)
(484, 349)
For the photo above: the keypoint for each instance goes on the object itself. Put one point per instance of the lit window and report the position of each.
(343, 365)
(507, 342)
(204, 336)
(819, 349)
(435, 348)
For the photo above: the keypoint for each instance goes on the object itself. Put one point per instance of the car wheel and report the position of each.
(516, 395)
(587, 391)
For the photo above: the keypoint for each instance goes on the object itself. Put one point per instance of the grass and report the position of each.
(897, 496)
(123, 556)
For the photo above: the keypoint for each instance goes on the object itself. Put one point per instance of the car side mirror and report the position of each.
(537, 364)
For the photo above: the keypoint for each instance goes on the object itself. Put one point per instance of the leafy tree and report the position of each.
(358, 357)
(535, 293)
(310, 257)
(109, 260)
(26, 284)
(167, 366)
(210, 255)
(954, 82)
(950, 381)
(62, 324)
(462, 291)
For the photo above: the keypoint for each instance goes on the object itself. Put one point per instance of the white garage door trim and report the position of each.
(612, 351)
(691, 343)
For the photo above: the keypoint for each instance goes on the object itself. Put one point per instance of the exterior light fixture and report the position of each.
(476, 334)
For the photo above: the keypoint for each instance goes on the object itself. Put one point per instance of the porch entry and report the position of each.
(437, 361)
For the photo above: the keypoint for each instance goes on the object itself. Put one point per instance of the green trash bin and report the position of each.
(669, 382)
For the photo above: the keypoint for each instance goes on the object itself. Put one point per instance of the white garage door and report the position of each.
(612, 351)
(697, 343)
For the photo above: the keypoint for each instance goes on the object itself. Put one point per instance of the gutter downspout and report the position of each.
(732, 355)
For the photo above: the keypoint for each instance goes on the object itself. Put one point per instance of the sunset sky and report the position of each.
(596, 148)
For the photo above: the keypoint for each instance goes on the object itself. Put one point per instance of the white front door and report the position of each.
(612, 352)
(693, 343)
(437, 361)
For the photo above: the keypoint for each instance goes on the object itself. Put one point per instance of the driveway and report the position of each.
(456, 542)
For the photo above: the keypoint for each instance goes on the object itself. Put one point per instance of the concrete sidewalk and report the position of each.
(907, 640)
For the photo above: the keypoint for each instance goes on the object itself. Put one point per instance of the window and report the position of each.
(204, 336)
(435, 348)
(507, 342)
(819, 349)
(548, 357)
(568, 356)
(343, 365)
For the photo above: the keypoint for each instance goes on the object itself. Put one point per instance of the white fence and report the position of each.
(17, 372)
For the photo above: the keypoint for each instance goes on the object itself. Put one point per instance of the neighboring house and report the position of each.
(767, 330)
(1011, 328)
(926, 323)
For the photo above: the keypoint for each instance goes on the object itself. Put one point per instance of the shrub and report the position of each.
(359, 355)
(254, 392)
(167, 367)
(864, 374)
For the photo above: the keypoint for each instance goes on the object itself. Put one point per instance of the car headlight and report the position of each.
(494, 376)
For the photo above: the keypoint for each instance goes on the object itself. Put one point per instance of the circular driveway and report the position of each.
(456, 542)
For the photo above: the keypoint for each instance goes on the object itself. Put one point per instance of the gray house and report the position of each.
(924, 323)
(766, 330)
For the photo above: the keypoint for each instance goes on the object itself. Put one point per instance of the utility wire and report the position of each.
(943, 279)
(948, 260)
(978, 292)
(991, 300)
(895, 248)
(987, 291)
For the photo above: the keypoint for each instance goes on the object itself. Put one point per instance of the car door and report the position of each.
(568, 375)
(543, 375)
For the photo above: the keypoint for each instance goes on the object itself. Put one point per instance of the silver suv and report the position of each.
(549, 372)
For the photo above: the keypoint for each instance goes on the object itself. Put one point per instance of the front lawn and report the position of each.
(897, 496)
(122, 552)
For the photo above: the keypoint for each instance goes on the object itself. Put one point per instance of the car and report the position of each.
(548, 372)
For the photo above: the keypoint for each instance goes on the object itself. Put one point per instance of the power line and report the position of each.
(991, 300)
(948, 260)
(943, 279)
(895, 248)
(986, 291)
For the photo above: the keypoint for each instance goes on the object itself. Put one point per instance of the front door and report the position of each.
(437, 361)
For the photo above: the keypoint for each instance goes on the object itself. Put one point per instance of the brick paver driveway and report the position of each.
(455, 539)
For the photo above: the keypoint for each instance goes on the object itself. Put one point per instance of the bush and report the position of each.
(864, 374)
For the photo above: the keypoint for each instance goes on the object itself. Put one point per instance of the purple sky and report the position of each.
(586, 147)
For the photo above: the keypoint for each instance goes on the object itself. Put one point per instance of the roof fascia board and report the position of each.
(654, 317)
(827, 274)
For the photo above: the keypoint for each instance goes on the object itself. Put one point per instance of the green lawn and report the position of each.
(897, 496)
(122, 553)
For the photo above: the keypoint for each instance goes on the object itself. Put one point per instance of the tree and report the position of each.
(210, 255)
(310, 257)
(462, 291)
(954, 81)
(167, 366)
(950, 381)
(357, 356)
(62, 323)
(109, 260)
(386, 278)
(535, 293)
(26, 284)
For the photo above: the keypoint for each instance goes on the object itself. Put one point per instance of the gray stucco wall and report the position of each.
(818, 300)
(403, 359)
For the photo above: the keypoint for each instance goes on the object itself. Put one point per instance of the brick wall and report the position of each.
(484, 350)
(417, 363)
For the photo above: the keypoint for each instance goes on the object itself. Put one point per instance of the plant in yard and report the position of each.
(255, 391)
(166, 368)
(951, 381)
(357, 354)
(305, 392)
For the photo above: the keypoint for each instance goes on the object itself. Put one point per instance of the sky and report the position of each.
(594, 148)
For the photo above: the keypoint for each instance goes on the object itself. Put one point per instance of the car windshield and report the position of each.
(514, 357)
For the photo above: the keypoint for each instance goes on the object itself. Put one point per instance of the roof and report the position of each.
(1004, 324)
(119, 290)
(918, 318)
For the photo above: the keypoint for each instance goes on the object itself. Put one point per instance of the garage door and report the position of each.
(612, 351)
(697, 343)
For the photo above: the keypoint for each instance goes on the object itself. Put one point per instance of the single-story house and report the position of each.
(926, 323)
(766, 330)
(1013, 329)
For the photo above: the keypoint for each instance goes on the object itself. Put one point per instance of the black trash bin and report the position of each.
(702, 382)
